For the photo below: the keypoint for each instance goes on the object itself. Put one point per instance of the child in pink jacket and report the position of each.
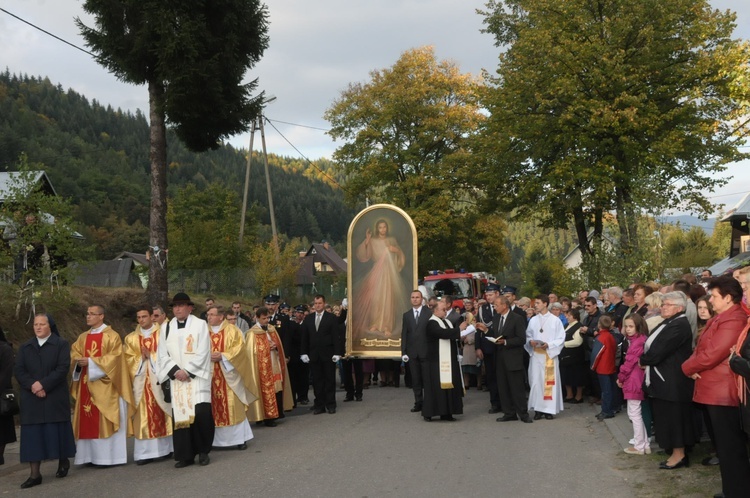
(630, 380)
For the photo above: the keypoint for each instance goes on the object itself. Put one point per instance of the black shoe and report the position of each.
(548, 416)
(711, 460)
(137, 462)
(31, 482)
(304, 401)
(416, 408)
(527, 420)
(538, 415)
(507, 418)
(242, 446)
(270, 423)
(494, 409)
(348, 398)
(427, 419)
(568, 400)
(62, 468)
(183, 463)
(447, 418)
(203, 459)
(318, 411)
(331, 410)
(576, 401)
(168, 456)
(359, 398)
(682, 463)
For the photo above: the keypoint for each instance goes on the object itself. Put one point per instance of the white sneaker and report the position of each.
(647, 450)
(632, 441)
(632, 451)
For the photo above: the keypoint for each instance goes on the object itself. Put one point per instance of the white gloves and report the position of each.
(460, 358)
(304, 358)
(335, 358)
(405, 359)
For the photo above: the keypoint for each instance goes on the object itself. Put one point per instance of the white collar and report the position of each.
(215, 329)
(147, 332)
(99, 329)
(42, 341)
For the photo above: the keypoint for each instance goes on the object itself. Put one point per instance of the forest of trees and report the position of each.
(97, 157)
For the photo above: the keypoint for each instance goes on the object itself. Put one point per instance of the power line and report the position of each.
(48, 33)
(306, 159)
(297, 124)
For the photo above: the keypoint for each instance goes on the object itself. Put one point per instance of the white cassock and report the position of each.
(144, 449)
(105, 451)
(544, 396)
(189, 348)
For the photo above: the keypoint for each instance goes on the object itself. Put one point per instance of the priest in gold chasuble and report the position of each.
(231, 382)
(103, 394)
(152, 422)
(270, 376)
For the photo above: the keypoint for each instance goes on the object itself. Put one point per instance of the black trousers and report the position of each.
(197, 438)
(324, 383)
(512, 391)
(731, 448)
(353, 385)
(299, 378)
(419, 372)
(490, 367)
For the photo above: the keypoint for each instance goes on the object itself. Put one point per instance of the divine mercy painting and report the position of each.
(382, 248)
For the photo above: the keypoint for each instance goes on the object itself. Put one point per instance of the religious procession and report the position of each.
(673, 359)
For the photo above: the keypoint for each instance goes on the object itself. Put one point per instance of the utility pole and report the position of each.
(256, 124)
(247, 182)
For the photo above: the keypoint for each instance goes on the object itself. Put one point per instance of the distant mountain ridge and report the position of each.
(97, 157)
(687, 221)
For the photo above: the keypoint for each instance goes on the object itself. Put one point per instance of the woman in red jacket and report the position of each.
(715, 386)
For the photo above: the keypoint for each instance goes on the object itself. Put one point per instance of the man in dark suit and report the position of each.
(451, 314)
(321, 348)
(485, 348)
(510, 328)
(510, 293)
(414, 346)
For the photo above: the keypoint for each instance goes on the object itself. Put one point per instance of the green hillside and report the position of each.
(98, 157)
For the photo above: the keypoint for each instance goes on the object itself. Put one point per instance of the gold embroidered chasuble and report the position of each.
(231, 390)
(270, 373)
(152, 417)
(104, 393)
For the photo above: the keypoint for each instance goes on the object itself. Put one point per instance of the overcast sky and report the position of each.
(316, 49)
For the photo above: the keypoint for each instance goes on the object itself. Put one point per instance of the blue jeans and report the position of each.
(607, 383)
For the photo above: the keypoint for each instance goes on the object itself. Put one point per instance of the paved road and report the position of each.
(377, 448)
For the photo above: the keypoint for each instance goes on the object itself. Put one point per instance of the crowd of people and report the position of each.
(675, 357)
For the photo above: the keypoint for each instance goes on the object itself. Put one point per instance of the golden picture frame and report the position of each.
(382, 272)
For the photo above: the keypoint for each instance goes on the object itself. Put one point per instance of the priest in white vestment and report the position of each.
(545, 337)
(186, 363)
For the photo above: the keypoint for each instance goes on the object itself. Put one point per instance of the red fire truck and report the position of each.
(459, 284)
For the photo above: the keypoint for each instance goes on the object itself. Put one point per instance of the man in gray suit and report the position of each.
(414, 347)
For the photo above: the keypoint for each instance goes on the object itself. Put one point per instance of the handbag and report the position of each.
(8, 403)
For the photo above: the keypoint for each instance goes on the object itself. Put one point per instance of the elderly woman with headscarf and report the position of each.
(715, 387)
(42, 372)
(671, 392)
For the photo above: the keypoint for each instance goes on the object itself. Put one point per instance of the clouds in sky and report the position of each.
(316, 49)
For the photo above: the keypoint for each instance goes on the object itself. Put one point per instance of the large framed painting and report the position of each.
(382, 272)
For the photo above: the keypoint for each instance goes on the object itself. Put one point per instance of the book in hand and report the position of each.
(493, 339)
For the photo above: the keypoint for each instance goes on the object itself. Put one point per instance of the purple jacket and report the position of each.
(631, 375)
